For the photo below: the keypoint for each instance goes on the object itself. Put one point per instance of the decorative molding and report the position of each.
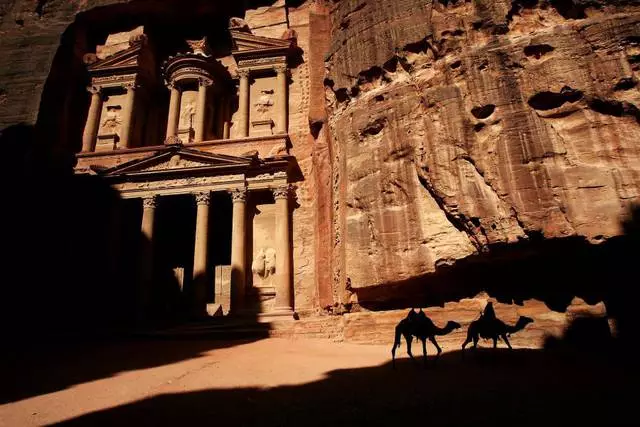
(281, 68)
(238, 195)
(203, 198)
(150, 202)
(131, 85)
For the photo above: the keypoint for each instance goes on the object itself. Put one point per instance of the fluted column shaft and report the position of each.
(238, 250)
(284, 300)
(93, 121)
(174, 111)
(281, 99)
(201, 252)
(127, 122)
(243, 103)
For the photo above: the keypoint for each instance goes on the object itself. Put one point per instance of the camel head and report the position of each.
(452, 326)
(523, 321)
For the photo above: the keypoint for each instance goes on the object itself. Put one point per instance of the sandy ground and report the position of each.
(306, 382)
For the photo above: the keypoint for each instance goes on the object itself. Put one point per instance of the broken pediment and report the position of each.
(178, 159)
(123, 61)
(247, 45)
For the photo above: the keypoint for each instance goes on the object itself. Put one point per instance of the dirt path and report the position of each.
(306, 382)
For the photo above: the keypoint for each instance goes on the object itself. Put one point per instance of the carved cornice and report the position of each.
(150, 202)
(203, 198)
(238, 195)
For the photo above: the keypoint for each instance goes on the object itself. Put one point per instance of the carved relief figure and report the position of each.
(264, 264)
(265, 102)
(111, 123)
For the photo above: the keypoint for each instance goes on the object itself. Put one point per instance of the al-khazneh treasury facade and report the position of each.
(225, 151)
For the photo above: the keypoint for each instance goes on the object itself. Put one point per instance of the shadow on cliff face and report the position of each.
(550, 270)
(523, 387)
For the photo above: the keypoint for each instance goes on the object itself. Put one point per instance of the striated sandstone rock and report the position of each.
(478, 123)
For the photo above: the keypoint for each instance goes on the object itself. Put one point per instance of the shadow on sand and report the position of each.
(494, 387)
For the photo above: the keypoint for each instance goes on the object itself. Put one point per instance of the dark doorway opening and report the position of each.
(174, 237)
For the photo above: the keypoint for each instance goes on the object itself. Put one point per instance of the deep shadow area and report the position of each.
(519, 388)
(65, 292)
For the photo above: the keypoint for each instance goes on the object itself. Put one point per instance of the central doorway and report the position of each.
(173, 293)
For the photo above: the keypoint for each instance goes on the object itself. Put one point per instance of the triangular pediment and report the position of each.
(175, 159)
(246, 42)
(123, 60)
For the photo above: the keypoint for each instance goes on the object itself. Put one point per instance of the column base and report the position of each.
(278, 314)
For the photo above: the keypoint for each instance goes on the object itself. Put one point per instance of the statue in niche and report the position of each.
(264, 264)
(112, 121)
(265, 101)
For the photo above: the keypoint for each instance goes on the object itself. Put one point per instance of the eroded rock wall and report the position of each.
(458, 125)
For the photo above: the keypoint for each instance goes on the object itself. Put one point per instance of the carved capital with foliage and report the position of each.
(150, 202)
(239, 195)
(203, 198)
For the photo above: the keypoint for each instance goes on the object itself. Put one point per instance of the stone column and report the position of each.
(284, 300)
(200, 253)
(238, 250)
(201, 108)
(93, 120)
(127, 120)
(174, 111)
(281, 99)
(146, 253)
(243, 103)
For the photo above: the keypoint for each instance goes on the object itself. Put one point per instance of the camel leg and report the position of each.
(475, 342)
(506, 341)
(435, 343)
(393, 355)
(495, 342)
(424, 351)
(409, 338)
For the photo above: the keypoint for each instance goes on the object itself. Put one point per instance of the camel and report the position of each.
(420, 326)
(488, 326)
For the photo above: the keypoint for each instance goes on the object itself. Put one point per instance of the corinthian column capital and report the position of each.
(203, 198)
(239, 195)
(282, 192)
(150, 202)
(243, 73)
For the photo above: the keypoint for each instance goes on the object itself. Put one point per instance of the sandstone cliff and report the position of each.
(458, 125)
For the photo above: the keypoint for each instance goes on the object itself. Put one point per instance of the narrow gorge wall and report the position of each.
(459, 126)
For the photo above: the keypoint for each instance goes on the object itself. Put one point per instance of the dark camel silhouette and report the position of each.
(420, 326)
(488, 326)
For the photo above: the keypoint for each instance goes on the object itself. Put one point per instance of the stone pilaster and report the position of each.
(93, 120)
(243, 103)
(281, 99)
(200, 253)
(174, 112)
(201, 107)
(284, 285)
(127, 122)
(238, 250)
